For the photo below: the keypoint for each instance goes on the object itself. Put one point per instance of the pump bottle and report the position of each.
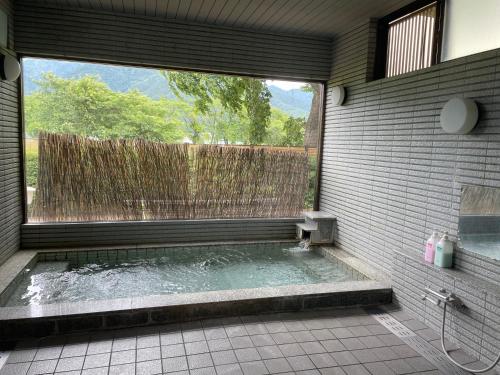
(430, 247)
(444, 252)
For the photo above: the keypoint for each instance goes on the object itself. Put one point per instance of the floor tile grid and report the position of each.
(279, 329)
(43, 358)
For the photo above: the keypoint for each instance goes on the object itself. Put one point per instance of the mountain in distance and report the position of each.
(118, 78)
(294, 102)
(148, 81)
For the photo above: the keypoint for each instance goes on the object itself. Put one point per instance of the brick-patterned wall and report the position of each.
(151, 232)
(391, 176)
(10, 172)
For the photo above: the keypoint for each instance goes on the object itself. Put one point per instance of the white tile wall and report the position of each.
(390, 174)
(10, 175)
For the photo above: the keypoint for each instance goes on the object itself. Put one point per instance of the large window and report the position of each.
(409, 39)
(108, 142)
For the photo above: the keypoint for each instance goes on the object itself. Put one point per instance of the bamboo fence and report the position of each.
(82, 179)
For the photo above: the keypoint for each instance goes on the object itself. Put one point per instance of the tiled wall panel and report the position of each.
(475, 328)
(116, 37)
(151, 232)
(391, 176)
(10, 175)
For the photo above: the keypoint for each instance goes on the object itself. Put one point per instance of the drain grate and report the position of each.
(393, 325)
(417, 343)
(433, 355)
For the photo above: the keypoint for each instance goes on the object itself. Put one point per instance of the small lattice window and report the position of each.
(408, 39)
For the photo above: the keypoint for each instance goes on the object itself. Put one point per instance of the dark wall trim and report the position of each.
(410, 8)
(438, 31)
(321, 142)
(20, 101)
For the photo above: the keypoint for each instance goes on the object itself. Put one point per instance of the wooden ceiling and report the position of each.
(325, 18)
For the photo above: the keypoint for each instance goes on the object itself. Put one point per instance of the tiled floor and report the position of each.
(307, 343)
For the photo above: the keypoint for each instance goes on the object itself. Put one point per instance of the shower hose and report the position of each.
(479, 371)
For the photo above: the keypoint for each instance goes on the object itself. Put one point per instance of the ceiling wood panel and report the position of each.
(172, 7)
(117, 6)
(183, 9)
(128, 6)
(204, 10)
(246, 13)
(325, 18)
(151, 7)
(289, 6)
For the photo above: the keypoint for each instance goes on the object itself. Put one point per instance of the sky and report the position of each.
(285, 85)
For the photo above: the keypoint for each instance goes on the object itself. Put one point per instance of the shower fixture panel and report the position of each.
(445, 299)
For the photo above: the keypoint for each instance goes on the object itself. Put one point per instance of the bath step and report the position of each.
(56, 266)
(319, 227)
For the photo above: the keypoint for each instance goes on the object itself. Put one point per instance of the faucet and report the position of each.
(442, 296)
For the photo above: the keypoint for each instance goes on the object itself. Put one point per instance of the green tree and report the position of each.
(275, 132)
(194, 128)
(257, 97)
(224, 126)
(88, 107)
(294, 128)
(239, 96)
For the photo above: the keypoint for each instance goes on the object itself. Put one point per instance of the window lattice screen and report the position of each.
(411, 41)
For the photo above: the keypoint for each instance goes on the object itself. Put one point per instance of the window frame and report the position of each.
(383, 34)
(22, 119)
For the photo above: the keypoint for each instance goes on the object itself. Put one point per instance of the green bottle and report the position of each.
(444, 252)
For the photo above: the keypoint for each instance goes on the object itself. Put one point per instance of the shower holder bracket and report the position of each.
(442, 296)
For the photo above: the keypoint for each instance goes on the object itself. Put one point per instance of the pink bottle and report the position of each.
(430, 247)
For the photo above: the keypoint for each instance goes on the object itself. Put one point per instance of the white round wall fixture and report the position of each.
(459, 116)
(10, 69)
(337, 94)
